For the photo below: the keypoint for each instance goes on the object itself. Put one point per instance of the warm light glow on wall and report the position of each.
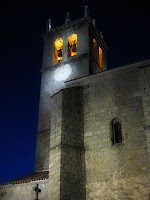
(72, 45)
(100, 58)
(58, 49)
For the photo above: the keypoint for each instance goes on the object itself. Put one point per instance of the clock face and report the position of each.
(62, 72)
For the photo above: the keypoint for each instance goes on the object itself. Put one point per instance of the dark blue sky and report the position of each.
(126, 30)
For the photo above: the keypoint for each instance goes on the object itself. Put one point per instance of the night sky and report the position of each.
(126, 30)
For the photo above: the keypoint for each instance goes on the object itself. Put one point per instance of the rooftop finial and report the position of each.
(49, 25)
(94, 22)
(67, 18)
(86, 11)
(101, 33)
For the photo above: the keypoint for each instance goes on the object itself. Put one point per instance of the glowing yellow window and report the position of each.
(95, 50)
(72, 45)
(58, 49)
(100, 58)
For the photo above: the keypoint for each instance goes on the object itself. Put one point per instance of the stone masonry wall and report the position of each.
(42, 150)
(145, 89)
(24, 191)
(55, 148)
(73, 152)
(118, 171)
(67, 160)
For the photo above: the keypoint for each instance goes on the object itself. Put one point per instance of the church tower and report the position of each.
(73, 50)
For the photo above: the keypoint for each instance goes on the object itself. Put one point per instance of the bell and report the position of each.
(74, 47)
(59, 52)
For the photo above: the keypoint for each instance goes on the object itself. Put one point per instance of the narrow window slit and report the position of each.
(116, 136)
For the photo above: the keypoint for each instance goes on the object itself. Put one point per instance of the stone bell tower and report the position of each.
(71, 51)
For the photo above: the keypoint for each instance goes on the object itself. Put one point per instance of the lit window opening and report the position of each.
(95, 53)
(100, 58)
(72, 45)
(58, 49)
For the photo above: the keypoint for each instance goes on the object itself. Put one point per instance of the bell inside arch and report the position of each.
(58, 49)
(74, 46)
(60, 52)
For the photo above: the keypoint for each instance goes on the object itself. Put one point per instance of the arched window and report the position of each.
(95, 53)
(116, 133)
(58, 49)
(72, 45)
(100, 58)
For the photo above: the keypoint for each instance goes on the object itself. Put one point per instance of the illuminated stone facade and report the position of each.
(74, 140)
(119, 171)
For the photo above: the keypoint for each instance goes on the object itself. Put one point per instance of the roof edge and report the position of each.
(139, 64)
